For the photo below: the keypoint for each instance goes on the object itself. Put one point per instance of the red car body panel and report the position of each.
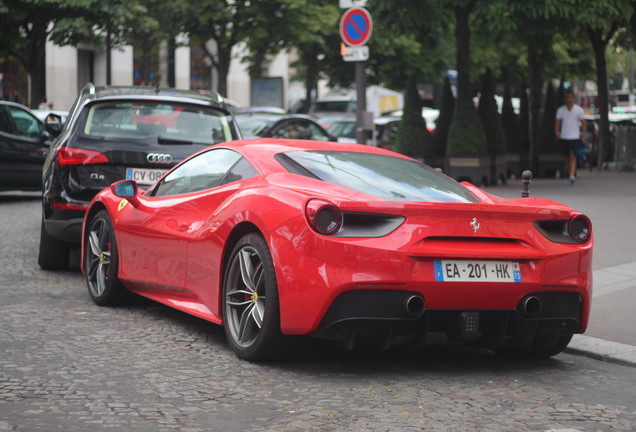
(172, 250)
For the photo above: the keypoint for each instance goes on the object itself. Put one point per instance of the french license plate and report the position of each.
(477, 271)
(144, 176)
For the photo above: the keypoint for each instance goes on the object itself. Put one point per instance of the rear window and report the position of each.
(386, 177)
(329, 106)
(165, 122)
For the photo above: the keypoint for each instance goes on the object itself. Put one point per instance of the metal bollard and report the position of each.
(526, 176)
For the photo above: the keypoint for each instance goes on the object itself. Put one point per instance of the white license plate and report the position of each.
(477, 271)
(144, 176)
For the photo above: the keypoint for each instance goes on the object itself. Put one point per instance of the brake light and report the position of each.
(580, 228)
(323, 217)
(73, 156)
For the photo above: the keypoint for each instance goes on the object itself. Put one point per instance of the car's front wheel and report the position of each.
(102, 261)
(250, 304)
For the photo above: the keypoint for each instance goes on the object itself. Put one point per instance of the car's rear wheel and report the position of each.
(54, 253)
(102, 261)
(545, 352)
(250, 304)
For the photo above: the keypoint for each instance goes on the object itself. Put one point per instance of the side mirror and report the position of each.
(127, 189)
(53, 124)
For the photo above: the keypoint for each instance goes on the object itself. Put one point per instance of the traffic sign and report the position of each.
(356, 53)
(356, 26)
(346, 4)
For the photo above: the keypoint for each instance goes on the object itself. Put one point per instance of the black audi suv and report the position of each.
(114, 133)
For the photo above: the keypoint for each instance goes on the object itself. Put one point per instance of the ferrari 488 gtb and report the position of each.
(350, 243)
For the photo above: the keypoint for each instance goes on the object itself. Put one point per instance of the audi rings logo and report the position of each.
(159, 158)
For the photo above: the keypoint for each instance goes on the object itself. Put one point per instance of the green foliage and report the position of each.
(466, 134)
(510, 123)
(412, 137)
(443, 122)
(489, 115)
(547, 138)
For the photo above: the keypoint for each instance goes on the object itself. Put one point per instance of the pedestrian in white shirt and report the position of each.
(567, 131)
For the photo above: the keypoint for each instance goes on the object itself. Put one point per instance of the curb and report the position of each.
(601, 349)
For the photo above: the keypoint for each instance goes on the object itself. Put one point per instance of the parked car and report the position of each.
(349, 243)
(24, 143)
(385, 130)
(43, 114)
(295, 126)
(115, 133)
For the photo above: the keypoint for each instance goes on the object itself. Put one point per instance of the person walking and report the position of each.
(567, 131)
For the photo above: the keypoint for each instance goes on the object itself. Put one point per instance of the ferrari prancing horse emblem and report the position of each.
(474, 224)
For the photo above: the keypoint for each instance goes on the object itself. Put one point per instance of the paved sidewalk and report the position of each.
(609, 200)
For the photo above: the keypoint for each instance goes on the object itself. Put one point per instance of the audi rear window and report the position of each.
(382, 176)
(170, 123)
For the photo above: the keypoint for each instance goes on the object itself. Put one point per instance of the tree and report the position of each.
(601, 20)
(509, 122)
(107, 24)
(25, 26)
(442, 124)
(489, 116)
(227, 23)
(466, 134)
(548, 138)
(412, 137)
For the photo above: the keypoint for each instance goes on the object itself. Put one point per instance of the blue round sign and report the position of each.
(356, 26)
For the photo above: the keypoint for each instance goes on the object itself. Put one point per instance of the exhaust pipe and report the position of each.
(414, 305)
(532, 305)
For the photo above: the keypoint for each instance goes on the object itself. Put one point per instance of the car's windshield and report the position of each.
(381, 176)
(250, 126)
(169, 122)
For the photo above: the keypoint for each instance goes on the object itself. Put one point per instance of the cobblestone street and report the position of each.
(68, 365)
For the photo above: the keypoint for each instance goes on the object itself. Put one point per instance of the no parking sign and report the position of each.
(356, 26)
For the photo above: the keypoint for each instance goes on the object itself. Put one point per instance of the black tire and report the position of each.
(537, 350)
(101, 262)
(251, 311)
(546, 352)
(54, 253)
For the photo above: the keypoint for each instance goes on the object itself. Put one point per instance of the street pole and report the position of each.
(361, 100)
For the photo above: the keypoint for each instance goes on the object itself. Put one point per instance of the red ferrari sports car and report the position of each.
(274, 238)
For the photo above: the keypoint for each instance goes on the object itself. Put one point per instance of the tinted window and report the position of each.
(385, 177)
(5, 123)
(209, 169)
(26, 125)
(300, 129)
(251, 126)
(164, 122)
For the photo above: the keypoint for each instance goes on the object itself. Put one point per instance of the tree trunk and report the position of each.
(108, 56)
(35, 63)
(310, 59)
(535, 72)
(225, 57)
(599, 45)
(462, 35)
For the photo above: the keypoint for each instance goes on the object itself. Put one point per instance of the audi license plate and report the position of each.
(144, 176)
(477, 271)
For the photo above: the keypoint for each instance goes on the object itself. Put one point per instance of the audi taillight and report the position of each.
(323, 217)
(73, 156)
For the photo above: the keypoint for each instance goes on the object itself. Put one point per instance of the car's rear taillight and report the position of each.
(73, 156)
(580, 228)
(323, 217)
